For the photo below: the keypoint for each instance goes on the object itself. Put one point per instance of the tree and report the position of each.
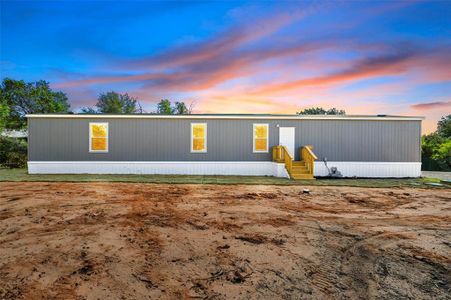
(321, 111)
(4, 113)
(26, 98)
(444, 126)
(180, 109)
(114, 103)
(443, 152)
(436, 147)
(164, 107)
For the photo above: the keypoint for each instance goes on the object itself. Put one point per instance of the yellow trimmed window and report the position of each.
(98, 137)
(260, 137)
(198, 137)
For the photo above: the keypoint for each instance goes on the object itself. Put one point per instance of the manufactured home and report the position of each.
(295, 146)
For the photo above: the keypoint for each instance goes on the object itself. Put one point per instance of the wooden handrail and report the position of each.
(309, 149)
(281, 154)
(277, 154)
(309, 157)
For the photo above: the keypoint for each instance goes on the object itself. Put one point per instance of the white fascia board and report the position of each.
(237, 117)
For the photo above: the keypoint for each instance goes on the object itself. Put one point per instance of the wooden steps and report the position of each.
(299, 171)
(302, 177)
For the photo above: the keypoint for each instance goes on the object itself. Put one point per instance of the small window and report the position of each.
(98, 137)
(198, 137)
(260, 138)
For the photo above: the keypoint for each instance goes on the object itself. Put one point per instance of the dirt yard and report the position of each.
(149, 241)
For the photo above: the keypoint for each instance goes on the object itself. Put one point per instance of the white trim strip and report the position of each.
(244, 117)
(370, 169)
(251, 168)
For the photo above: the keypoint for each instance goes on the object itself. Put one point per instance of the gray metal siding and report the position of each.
(227, 140)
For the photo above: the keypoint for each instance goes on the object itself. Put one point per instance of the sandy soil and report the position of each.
(148, 241)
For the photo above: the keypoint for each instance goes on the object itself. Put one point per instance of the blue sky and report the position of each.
(366, 57)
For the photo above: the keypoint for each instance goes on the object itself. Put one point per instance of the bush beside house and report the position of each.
(436, 147)
(13, 152)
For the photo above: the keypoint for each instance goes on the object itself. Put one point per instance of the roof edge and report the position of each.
(226, 116)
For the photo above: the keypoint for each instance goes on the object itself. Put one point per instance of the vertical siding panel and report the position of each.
(228, 140)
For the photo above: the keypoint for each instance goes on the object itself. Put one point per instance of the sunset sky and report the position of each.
(238, 57)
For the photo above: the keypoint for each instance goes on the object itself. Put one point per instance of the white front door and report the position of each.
(286, 138)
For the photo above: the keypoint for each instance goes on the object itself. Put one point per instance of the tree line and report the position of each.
(18, 98)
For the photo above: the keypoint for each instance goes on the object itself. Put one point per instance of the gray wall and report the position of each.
(228, 140)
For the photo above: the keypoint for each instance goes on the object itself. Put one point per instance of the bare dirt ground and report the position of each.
(149, 241)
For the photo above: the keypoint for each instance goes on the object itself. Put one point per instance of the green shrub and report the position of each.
(13, 152)
(436, 147)
(16, 160)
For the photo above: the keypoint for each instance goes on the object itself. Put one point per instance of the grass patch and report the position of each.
(22, 175)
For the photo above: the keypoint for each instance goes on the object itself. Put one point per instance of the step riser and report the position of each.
(302, 175)
(299, 171)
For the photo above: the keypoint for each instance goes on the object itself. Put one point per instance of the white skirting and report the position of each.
(370, 169)
(252, 168)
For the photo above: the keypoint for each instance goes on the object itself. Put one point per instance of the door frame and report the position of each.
(294, 139)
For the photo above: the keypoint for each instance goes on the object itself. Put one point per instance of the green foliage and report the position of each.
(26, 98)
(180, 109)
(165, 107)
(444, 126)
(436, 147)
(114, 103)
(4, 113)
(443, 152)
(16, 160)
(13, 152)
(321, 111)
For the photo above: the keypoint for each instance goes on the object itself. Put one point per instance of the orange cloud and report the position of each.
(205, 74)
(369, 67)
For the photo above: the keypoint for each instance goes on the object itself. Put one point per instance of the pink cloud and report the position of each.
(432, 105)
(383, 65)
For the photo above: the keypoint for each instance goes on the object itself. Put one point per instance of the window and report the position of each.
(198, 137)
(260, 138)
(98, 137)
